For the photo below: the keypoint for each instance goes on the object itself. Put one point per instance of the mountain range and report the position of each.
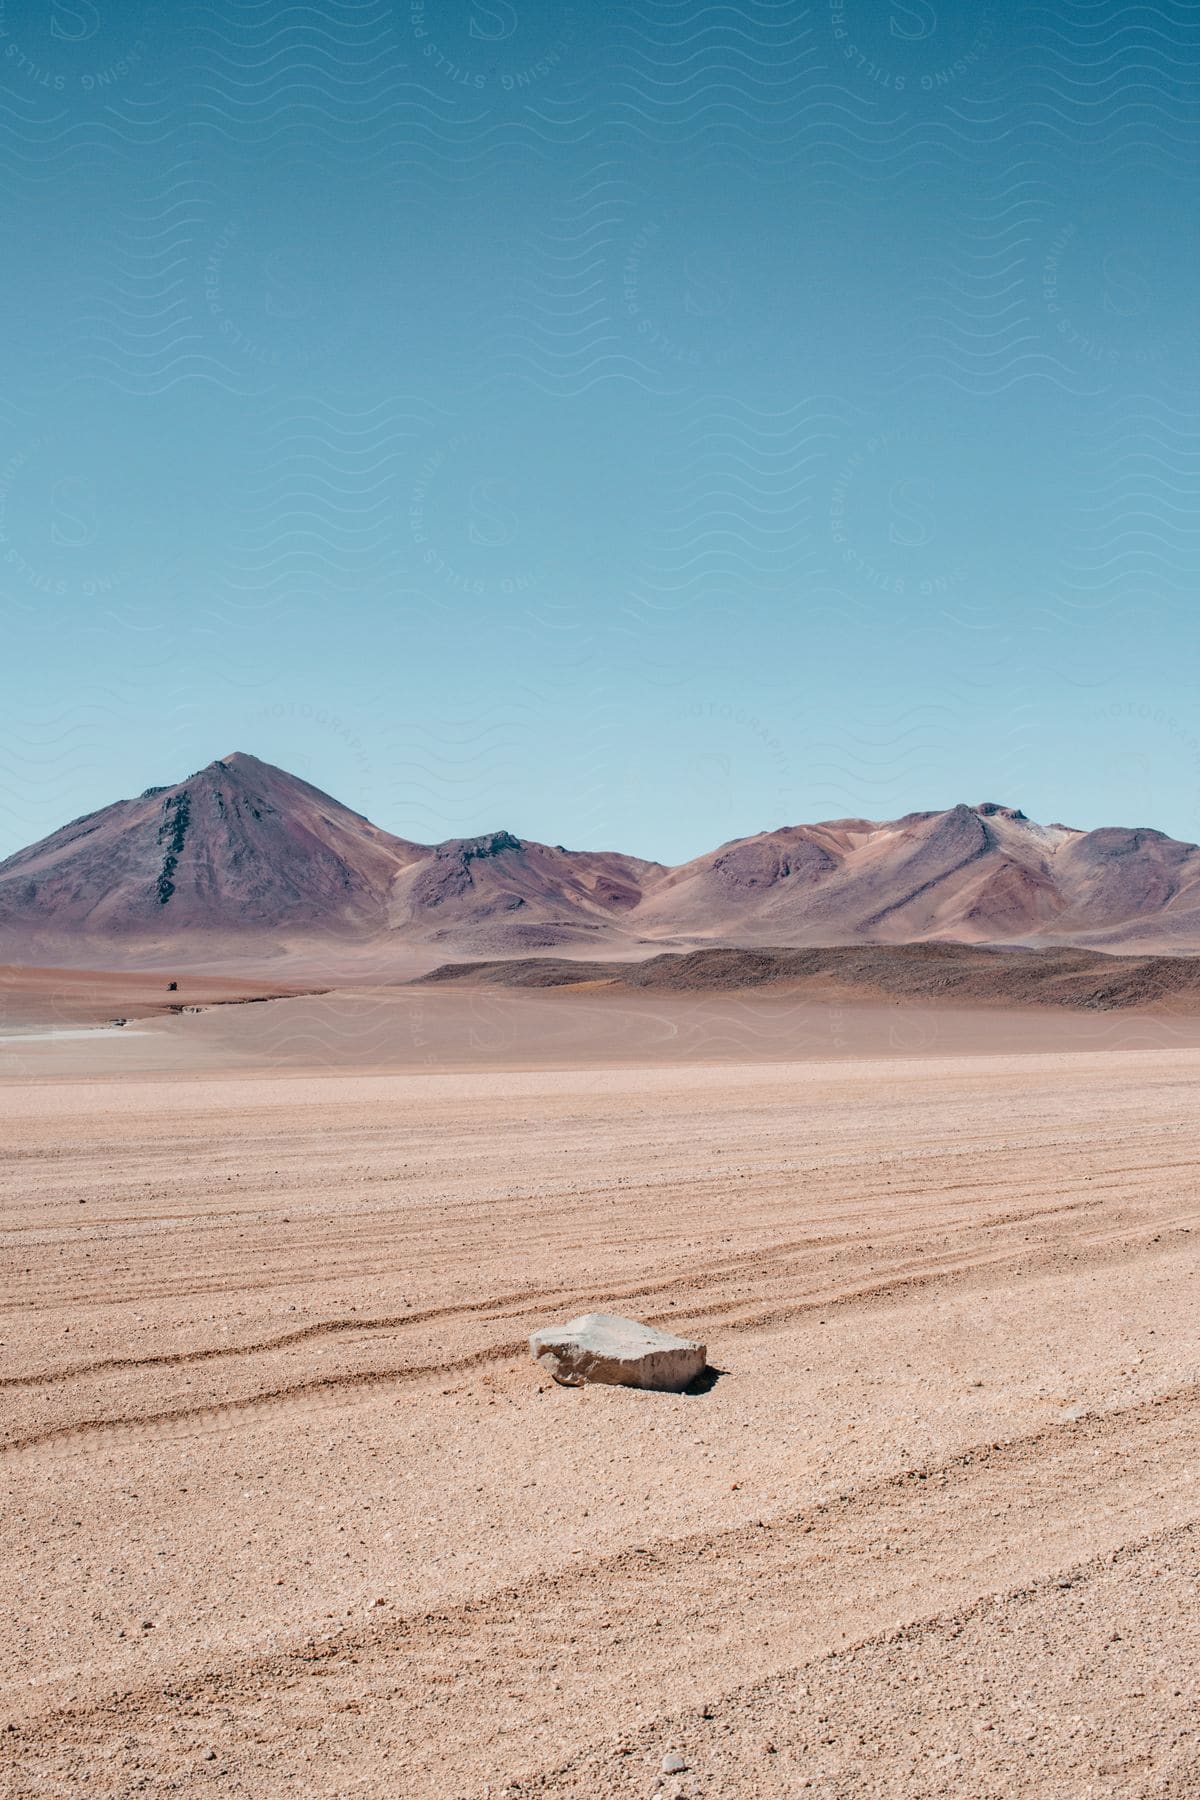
(244, 851)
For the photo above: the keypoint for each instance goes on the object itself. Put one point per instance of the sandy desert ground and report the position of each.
(289, 1512)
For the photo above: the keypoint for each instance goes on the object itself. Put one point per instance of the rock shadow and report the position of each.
(705, 1381)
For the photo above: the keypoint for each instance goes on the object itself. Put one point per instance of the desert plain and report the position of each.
(288, 1510)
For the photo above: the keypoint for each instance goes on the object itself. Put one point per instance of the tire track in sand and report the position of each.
(995, 1520)
(311, 1392)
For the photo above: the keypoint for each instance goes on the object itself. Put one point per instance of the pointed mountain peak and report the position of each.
(242, 759)
(251, 774)
(240, 762)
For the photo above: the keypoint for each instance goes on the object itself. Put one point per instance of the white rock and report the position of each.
(673, 1763)
(605, 1347)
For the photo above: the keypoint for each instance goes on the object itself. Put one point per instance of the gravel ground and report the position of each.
(288, 1510)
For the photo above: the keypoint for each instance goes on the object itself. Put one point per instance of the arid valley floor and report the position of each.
(289, 1511)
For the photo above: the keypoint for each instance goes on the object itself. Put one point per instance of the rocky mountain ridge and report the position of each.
(242, 849)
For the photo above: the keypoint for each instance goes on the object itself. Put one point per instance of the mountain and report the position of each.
(243, 851)
(498, 890)
(238, 843)
(244, 848)
(974, 874)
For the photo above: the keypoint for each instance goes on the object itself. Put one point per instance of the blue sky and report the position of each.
(632, 426)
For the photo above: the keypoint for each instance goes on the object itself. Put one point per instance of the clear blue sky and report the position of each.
(633, 426)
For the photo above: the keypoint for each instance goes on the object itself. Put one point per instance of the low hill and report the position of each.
(922, 972)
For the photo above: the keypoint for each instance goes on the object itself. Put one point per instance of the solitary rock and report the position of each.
(605, 1347)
